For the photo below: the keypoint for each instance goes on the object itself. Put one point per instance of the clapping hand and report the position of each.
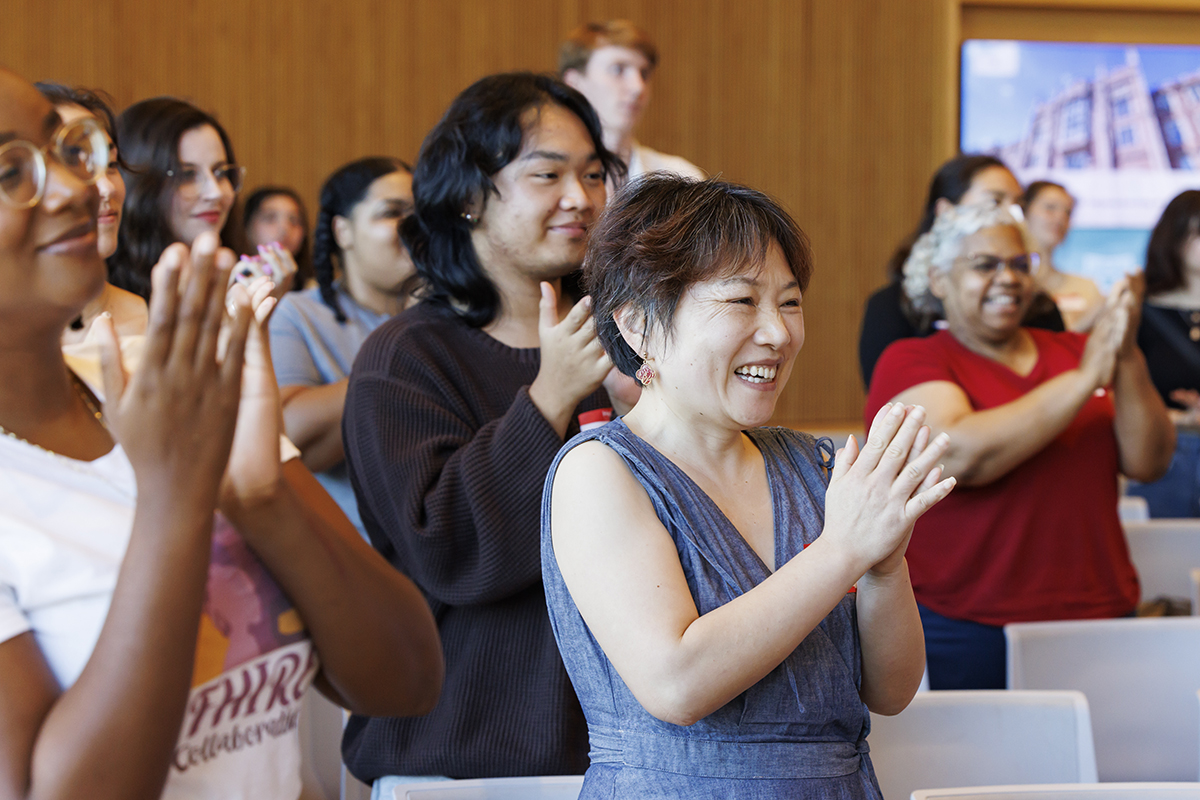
(175, 415)
(877, 493)
(573, 362)
(254, 469)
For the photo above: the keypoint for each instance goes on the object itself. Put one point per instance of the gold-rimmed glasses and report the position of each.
(80, 146)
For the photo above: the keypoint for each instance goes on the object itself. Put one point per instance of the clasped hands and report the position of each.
(204, 398)
(877, 492)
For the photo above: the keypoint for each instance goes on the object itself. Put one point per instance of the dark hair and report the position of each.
(304, 267)
(340, 193)
(576, 50)
(1164, 262)
(96, 101)
(149, 134)
(664, 233)
(1036, 188)
(950, 182)
(479, 135)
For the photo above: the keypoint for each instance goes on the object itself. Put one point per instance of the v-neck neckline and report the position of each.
(772, 477)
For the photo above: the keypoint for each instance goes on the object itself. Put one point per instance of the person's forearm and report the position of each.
(697, 675)
(1145, 434)
(893, 645)
(111, 734)
(374, 632)
(986, 445)
(312, 419)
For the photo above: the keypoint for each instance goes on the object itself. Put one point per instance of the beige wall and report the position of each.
(840, 108)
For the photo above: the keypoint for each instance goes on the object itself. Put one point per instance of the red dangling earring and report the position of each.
(645, 372)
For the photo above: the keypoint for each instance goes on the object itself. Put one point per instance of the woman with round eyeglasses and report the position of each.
(1041, 424)
(168, 588)
(888, 315)
(128, 310)
(182, 180)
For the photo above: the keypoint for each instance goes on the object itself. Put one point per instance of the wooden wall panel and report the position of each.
(831, 107)
(1155, 23)
(839, 109)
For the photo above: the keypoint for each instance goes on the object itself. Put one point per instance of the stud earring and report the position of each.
(645, 373)
(468, 216)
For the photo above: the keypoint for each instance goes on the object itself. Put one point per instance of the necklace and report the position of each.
(85, 395)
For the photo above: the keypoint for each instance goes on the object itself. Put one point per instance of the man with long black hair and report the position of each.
(456, 409)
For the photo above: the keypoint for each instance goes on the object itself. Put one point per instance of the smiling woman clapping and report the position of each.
(727, 606)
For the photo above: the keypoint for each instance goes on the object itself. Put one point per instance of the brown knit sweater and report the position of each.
(447, 455)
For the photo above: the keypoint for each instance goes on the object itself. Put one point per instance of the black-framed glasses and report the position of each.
(80, 146)
(1024, 264)
(189, 179)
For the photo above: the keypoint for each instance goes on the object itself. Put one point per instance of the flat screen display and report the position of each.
(1117, 124)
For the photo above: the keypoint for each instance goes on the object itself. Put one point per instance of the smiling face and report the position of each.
(278, 219)
(200, 205)
(1049, 217)
(732, 345)
(372, 255)
(984, 306)
(110, 185)
(616, 81)
(536, 226)
(48, 253)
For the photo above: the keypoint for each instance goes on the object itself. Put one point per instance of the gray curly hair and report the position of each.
(937, 248)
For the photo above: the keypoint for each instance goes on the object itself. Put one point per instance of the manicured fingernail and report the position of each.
(897, 410)
(943, 437)
(276, 245)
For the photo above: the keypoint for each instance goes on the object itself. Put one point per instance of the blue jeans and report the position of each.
(961, 654)
(1176, 494)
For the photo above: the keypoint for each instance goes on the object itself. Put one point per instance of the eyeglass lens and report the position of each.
(989, 265)
(81, 147)
(21, 173)
(190, 178)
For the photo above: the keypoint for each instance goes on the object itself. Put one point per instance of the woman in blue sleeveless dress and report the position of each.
(728, 605)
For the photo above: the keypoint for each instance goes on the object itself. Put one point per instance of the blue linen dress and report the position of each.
(800, 731)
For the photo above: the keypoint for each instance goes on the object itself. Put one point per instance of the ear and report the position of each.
(342, 233)
(573, 78)
(631, 322)
(474, 207)
(938, 282)
(942, 206)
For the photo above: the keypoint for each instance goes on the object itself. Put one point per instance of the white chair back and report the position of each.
(1164, 551)
(1140, 677)
(1195, 595)
(965, 738)
(1131, 508)
(549, 787)
(1072, 791)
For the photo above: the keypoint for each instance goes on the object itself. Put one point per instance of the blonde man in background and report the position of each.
(612, 64)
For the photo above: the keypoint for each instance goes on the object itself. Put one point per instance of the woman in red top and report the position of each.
(1040, 424)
